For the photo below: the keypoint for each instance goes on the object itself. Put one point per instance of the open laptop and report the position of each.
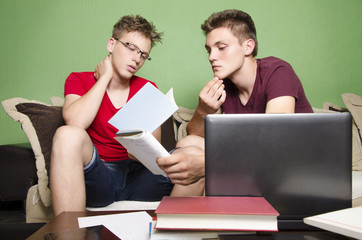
(301, 163)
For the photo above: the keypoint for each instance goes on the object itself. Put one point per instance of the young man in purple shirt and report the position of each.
(241, 84)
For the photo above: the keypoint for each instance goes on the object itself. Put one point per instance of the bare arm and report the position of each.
(211, 97)
(284, 104)
(81, 110)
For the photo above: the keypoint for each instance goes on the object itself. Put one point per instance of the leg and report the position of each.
(191, 144)
(192, 140)
(72, 149)
(195, 189)
(142, 185)
(103, 180)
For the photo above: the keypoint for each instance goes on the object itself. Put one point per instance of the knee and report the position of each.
(68, 135)
(70, 143)
(70, 140)
(191, 140)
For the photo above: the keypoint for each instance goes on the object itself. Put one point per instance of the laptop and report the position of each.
(301, 163)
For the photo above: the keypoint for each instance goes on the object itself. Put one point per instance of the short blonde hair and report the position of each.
(139, 24)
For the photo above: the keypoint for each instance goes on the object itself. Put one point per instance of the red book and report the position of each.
(216, 213)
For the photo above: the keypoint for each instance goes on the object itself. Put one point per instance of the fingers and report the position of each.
(183, 178)
(183, 168)
(174, 167)
(168, 164)
(212, 96)
(213, 87)
(104, 68)
(222, 97)
(179, 173)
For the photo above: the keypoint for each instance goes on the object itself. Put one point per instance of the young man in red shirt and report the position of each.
(241, 84)
(88, 166)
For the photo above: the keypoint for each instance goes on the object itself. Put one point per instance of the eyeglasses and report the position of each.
(134, 48)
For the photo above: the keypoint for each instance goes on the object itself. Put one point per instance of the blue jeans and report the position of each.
(107, 182)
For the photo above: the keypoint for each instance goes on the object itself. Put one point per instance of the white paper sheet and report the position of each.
(126, 226)
(146, 110)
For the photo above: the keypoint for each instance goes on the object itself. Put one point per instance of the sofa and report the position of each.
(24, 168)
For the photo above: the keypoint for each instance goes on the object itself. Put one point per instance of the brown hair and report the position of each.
(139, 24)
(239, 22)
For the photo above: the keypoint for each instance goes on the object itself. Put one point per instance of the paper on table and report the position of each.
(345, 221)
(135, 225)
(146, 110)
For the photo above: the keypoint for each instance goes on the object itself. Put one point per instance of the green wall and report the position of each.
(43, 41)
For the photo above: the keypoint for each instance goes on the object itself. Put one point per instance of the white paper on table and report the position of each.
(146, 110)
(126, 226)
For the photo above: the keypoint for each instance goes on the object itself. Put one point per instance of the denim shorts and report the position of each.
(107, 182)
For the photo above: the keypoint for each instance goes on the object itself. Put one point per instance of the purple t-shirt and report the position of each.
(274, 78)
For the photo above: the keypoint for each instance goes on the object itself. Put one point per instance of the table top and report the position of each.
(69, 220)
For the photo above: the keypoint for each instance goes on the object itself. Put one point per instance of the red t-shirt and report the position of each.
(274, 78)
(100, 131)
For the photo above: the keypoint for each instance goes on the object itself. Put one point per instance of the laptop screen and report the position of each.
(301, 163)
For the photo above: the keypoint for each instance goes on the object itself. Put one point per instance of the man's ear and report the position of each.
(110, 45)
(249, 46)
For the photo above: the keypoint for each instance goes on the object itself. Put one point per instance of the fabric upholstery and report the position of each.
(356, 139)
(39, 121)
(19, 160)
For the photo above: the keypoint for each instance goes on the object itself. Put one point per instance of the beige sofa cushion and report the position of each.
(182, 117)
(39, 122)
(354, 104)
(356, 139)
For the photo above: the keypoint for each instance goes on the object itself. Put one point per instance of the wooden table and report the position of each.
(69, 220)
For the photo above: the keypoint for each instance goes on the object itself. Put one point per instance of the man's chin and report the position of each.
(219, 76)
(126, 75)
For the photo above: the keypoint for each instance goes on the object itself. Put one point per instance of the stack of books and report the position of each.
(216, 214)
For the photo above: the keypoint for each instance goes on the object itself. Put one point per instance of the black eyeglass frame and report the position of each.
(134, 47)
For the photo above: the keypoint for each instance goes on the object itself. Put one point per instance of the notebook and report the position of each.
(301, 163)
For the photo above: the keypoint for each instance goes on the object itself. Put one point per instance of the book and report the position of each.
(138, 119)
(347, 222)
(145, 147)
(164, 234)
(94, 232)
(195, 234)
(216, 213)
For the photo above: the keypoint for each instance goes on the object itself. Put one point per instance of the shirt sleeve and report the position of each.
(282, 82)
(76, 84)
